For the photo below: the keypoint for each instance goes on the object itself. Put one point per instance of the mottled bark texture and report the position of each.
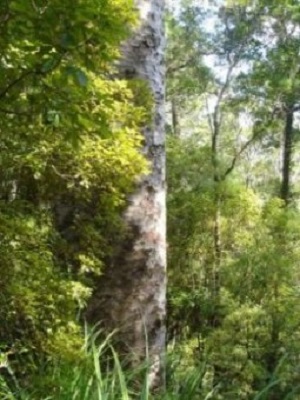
(131, 295)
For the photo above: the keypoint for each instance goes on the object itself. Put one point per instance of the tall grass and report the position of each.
(98, 376)
(90, 379)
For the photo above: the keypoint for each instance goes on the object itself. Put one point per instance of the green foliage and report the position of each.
(69, 144)
(233, 245)
(257, 306)
(187, 74)
(69, 156)
(87, 379)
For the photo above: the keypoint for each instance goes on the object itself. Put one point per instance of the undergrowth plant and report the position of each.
(101, 375)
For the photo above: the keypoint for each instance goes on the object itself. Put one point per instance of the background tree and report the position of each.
(242, 133)
(82, 200)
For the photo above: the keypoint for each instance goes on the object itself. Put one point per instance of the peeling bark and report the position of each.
(131, 296)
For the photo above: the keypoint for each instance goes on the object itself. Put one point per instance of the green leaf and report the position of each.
(78, 75)
(81, 78)
(50, 64)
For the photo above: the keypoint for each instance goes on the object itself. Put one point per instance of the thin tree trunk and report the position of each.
(175, 118)
(131, 296)
(285, 190)
(217, 240)
(285, 194)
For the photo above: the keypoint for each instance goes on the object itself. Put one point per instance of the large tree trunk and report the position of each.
(131, 296)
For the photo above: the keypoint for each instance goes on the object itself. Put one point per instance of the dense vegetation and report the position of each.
(233, 204)
(70, 154)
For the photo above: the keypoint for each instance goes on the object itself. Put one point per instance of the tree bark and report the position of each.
(217, 239)
(131, 295)
(285, 192)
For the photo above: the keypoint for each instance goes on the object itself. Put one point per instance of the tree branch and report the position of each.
(4, 92)
(237, 156)
(243, 148)
(38, 71)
